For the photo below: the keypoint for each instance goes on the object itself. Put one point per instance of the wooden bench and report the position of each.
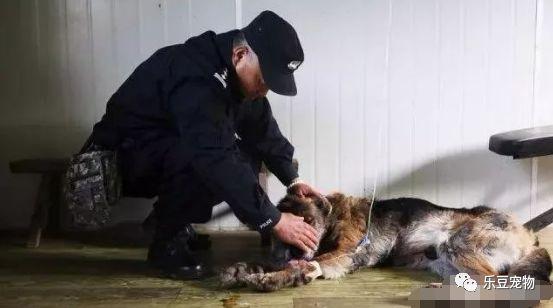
(49, 210)
(48, 202)
(527, 143)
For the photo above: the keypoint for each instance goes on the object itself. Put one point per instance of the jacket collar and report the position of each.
(223, 42)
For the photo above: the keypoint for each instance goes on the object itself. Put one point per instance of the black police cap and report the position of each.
(279, 51)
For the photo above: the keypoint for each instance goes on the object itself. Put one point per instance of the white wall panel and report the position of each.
(425, 97)
(52, 62)
(80, 81)
(475, 119)
(450, 102)
(104, 55)
(218, 16)
(151, 26)
(401, 100)
(543, 101)
(433, 79)
(176, 21)
(21, 81)
(376, 96)
(352, 46)
(126, 20)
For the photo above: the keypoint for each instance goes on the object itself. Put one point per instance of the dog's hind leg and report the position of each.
(473, 263)
(464, 250)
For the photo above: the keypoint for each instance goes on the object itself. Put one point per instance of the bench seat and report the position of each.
(524, 143)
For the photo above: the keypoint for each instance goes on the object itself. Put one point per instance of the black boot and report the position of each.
(200, 242)
(172, 254)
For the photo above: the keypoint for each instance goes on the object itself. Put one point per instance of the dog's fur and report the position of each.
(403, 232)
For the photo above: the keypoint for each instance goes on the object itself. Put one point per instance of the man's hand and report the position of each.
(302, 190)
(291, 229)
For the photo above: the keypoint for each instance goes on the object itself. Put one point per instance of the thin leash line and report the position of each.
(373, 197)
(365, 239)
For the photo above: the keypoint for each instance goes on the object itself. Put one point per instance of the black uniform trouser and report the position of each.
(159, 169)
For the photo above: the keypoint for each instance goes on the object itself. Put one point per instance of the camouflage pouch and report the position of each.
(92, 185)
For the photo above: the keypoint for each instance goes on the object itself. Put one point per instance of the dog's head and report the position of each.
(315, 211)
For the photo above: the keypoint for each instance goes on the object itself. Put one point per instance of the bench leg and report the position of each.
(43, 202)
(541, 221)
(33, 240)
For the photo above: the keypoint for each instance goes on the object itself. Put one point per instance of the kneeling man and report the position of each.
(192, 126)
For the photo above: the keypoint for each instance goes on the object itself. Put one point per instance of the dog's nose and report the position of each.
(295, 252)
(431, 253)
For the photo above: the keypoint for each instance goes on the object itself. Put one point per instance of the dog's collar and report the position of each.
(364, 241)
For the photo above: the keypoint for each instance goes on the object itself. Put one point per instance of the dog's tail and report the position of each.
(537, 264)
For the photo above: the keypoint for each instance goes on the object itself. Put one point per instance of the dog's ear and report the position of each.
(325, 206)
(284, 203)
(335, 198)
(289, 203)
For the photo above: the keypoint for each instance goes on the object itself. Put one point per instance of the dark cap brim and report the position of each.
(283, 84)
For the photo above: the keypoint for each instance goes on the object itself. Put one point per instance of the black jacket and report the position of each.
(189, 92)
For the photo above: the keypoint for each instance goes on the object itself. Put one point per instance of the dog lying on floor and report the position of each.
(403, 232)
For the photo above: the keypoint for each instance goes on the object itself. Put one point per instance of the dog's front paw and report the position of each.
(335, 270)
(314, 271)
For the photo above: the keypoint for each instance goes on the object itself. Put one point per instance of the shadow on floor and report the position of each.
(113, 252)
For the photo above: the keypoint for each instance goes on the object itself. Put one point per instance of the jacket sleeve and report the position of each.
(209, 138)
(259, 129)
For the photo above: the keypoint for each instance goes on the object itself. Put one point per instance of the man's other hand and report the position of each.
(291, 229)
(303, 190)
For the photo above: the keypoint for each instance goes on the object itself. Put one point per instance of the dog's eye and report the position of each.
(308, 220)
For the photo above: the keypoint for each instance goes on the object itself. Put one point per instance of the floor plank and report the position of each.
(76, 273)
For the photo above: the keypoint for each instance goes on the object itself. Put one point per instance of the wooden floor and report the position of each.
(64, 273)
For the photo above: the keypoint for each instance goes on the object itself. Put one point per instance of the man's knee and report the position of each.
(184, 197)
(141, 170)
